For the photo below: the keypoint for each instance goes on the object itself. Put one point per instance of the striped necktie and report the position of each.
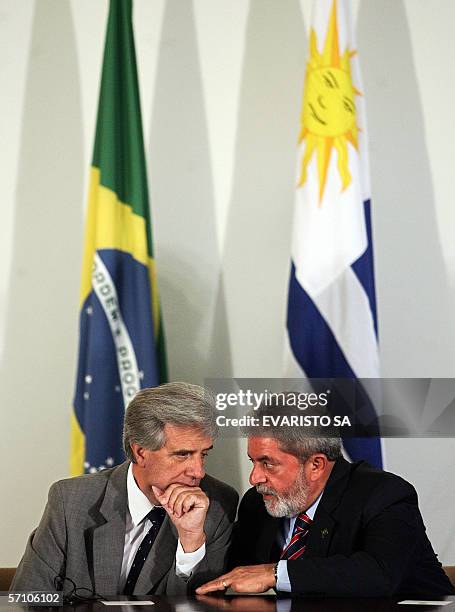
(297, 544)
(156, 517)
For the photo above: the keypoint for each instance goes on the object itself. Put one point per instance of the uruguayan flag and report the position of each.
(332, 323)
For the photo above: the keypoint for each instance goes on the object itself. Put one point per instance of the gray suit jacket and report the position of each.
(82, 531)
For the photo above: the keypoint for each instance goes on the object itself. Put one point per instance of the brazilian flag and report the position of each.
(121, 346)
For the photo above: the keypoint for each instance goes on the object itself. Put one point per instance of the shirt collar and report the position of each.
(312, 509)
(289, 523)
(138, 504)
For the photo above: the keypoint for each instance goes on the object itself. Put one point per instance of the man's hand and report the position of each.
(245, 579)
(187, 508)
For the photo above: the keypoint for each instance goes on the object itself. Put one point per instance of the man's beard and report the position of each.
(290, 503)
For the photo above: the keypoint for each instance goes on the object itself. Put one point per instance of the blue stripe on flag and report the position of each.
(319, 355)
(312, 341)
(368, 449)
(363, 267)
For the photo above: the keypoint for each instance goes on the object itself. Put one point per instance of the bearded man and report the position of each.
(316, 525)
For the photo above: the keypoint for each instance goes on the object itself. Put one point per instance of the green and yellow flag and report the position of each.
(121, 346)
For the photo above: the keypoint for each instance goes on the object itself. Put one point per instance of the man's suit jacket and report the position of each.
(81, 537)
(367, 539)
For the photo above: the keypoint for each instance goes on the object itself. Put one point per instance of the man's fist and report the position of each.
(187, 508)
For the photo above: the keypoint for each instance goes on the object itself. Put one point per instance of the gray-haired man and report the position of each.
(155, 524)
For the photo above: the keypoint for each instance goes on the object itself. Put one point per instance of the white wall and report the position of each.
(221, 85)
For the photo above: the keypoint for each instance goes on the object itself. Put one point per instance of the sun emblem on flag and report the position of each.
(328, 117)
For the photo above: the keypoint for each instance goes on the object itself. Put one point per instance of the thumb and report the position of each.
(159, 494)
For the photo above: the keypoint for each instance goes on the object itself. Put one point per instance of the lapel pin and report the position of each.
(324, 532)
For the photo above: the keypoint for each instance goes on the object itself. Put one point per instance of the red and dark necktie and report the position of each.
(297, 544)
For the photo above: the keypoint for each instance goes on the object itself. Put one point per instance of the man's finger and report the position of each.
(163, 496)
(220, 584)
(179, 501)
(187, 500)
(178, 491)
(159, 494)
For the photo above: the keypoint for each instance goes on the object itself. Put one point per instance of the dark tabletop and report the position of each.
(246, 603)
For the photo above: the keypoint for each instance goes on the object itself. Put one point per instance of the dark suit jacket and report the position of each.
(367, 539)
(81, 536)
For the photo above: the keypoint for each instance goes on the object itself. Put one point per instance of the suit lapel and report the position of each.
(108, 544)
(320, 534)
(159, 560)
(109, 537)
(324, 524)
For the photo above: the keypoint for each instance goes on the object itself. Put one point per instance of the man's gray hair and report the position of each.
(176, 403)
(303, 446)
(302, 442)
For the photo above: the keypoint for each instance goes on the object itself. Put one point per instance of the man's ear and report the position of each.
(316, 466)
(139, 453)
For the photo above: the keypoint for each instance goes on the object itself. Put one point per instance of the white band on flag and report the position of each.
(105, 290)
(346, 309)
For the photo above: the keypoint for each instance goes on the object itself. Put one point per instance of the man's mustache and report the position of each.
(265, 490)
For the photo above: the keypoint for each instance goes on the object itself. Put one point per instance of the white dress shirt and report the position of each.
(283, 583)
(137, 526)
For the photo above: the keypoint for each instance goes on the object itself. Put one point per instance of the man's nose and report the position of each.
(257, 475)
(196, 468)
